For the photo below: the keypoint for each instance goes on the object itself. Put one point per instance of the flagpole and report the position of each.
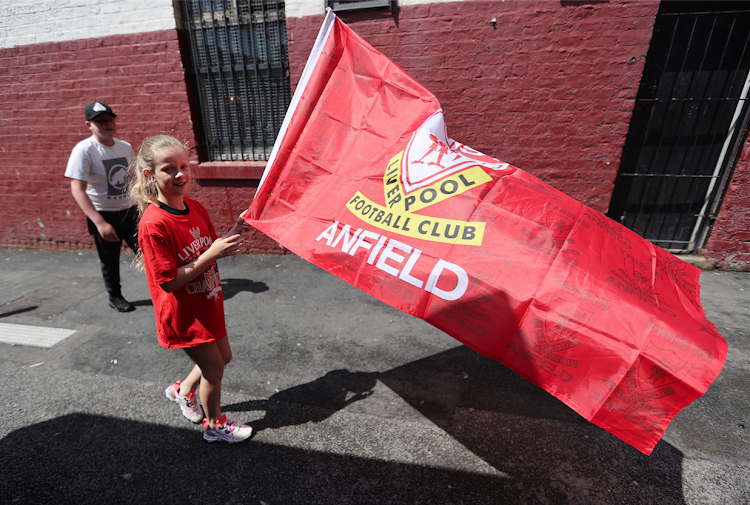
(317, 50)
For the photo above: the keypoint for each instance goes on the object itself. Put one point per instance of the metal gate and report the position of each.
(240, 62)
(689, 123)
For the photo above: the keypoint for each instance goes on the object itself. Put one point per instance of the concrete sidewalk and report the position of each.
(352, 401)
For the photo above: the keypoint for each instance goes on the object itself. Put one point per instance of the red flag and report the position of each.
(364, 182)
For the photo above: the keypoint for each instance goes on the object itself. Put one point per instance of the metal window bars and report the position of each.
(240, 61)
(691, 112)
(351, 5)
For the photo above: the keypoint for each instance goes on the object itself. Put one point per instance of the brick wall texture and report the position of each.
(729, 245)
(548, 87)
(45, 89)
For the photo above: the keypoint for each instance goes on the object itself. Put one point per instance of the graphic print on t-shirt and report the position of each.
(207, 282)
(117, 177)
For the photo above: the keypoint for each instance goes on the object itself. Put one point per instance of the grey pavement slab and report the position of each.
(352, 402)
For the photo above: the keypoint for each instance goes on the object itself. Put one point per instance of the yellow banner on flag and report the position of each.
(449, 231)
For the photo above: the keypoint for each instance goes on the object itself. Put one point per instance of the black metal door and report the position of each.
(688, 125)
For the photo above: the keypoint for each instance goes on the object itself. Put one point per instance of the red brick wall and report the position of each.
(41, 119)
(729, 245)
(549, 88)
(44, 88)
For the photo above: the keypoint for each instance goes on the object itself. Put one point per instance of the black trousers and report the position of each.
(125, 223)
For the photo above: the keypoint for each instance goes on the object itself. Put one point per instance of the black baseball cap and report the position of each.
(95, 108)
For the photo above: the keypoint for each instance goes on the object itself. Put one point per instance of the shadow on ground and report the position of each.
(54, 298)
(17, 311)
(545, 452)
(520, 429)
(86, 459)
(231, 287)
(326, 395)
(553, 454)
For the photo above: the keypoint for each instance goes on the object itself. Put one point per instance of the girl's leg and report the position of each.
(210, 360)
(191, 381)
(225, 350)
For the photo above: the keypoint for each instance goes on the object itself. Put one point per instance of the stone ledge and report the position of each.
(241, 170)
(697, 261)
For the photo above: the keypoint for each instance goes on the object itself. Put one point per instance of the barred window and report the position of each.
(350, 5)
(239, 58)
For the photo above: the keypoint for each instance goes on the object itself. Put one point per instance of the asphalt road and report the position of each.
(352, 401)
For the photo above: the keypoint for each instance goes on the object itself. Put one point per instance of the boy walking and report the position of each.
(98, 169)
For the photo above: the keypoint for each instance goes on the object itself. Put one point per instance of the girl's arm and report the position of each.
(228, 245)
(222, 247)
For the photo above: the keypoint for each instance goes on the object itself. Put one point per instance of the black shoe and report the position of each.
(120, 304)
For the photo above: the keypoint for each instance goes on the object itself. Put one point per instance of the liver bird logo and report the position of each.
(431, 155)
(658, 367)
(564, 319)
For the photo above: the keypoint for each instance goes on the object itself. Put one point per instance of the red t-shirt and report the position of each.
(193, 314)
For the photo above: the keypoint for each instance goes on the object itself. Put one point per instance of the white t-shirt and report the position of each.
(105, 169)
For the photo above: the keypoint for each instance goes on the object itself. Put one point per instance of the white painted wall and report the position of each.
(302, 8)
(25, 22)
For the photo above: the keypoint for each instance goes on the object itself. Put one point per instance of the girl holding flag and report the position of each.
(179, 248)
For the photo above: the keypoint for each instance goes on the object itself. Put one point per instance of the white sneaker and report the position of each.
(227, 431)
(188, 404)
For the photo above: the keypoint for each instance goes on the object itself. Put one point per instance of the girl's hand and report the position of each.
(240, 225)
(226, 246)
(222, 247)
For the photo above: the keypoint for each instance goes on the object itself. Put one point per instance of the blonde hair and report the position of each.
(141, 189)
